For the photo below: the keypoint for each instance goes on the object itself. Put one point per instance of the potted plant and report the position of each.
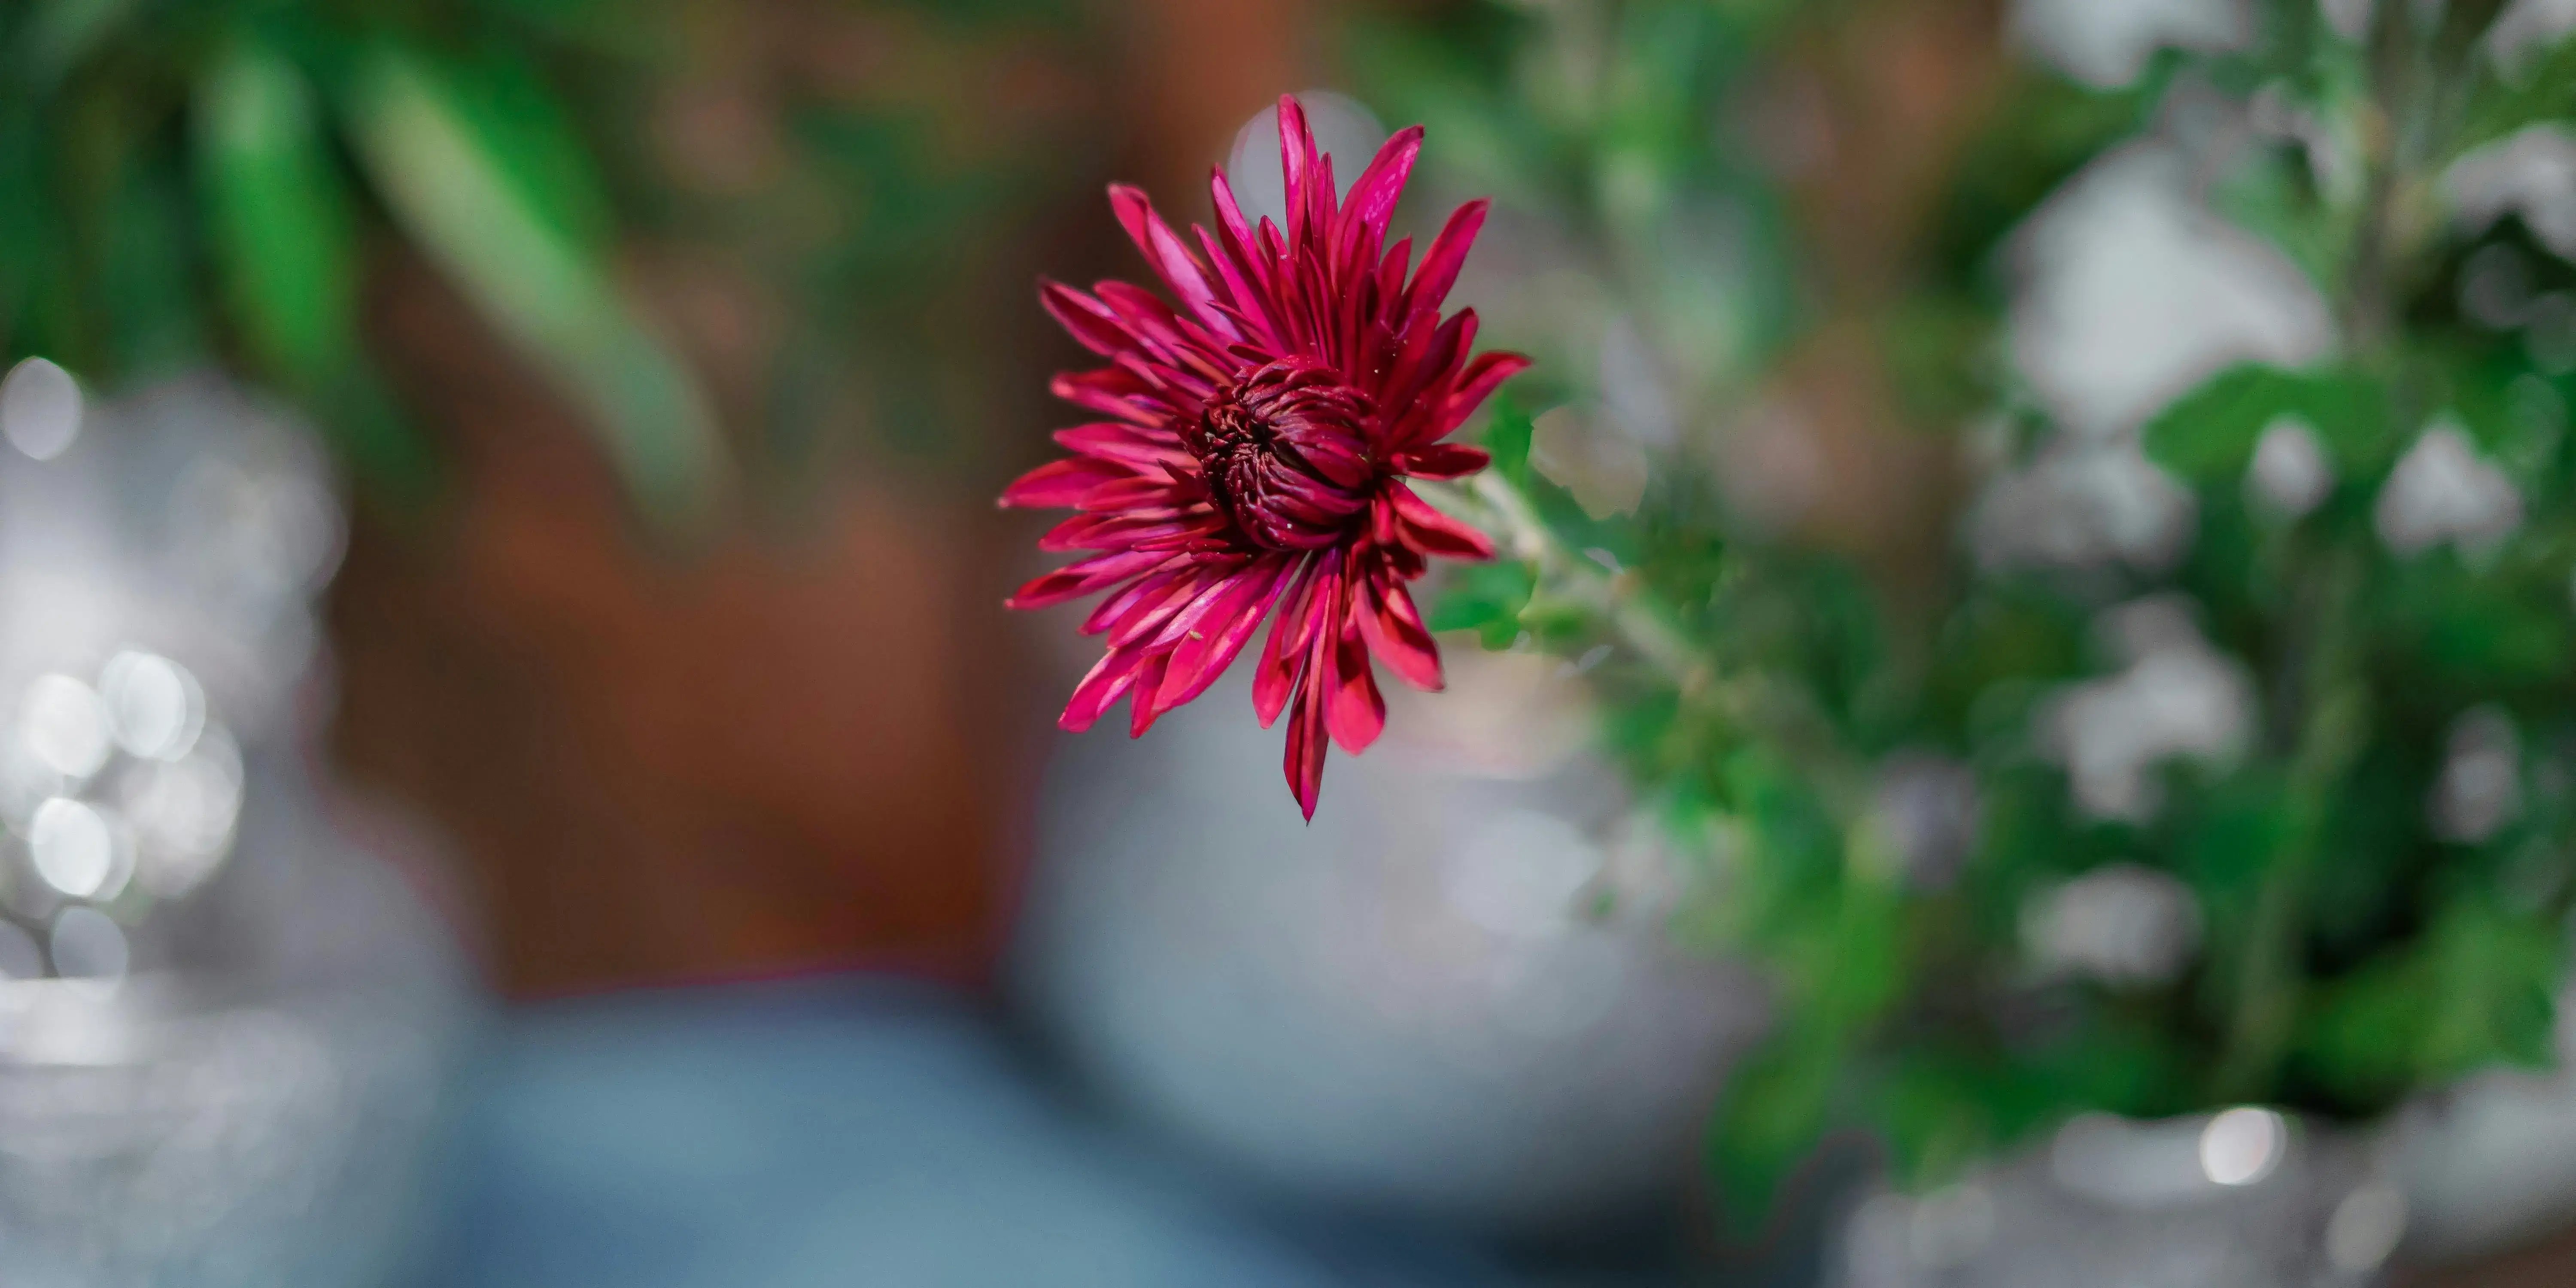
(2094, 683)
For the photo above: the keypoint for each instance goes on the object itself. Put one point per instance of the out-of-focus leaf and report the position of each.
(1839, 972)
(1933, 1115)
(1774, 1114)
(2541, 88)
(2208, 436)
(2476, 990)
(445, 185)
(530, 138)
(1507, 436)
(53, 36)
(284, 245)
(2232, 842)
(37, 300)
(280, 219)
(1487, 599)
(145, 277)
(2268, 193)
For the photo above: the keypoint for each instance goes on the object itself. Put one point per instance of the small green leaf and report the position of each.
(280, 220)
(2542, 88)
(59, 34)
(1774, 1113)
(1507, 436)
(2475, 991)
(287, 256)
(2208, 436)
(145, 280)
(1487, 599)
(530, 137)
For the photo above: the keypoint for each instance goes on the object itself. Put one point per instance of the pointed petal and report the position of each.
(1111, 391)
(1356, 713)
(1407, 400)
(1087, 320)
(1441, 461)
(1113, 610)
(1390, 276)
(1375, 192)
(1076, 580)
(1433, 533)
(1142, 710)
(1133, 494)
(1162, 248)
(1144, 624)
(1213, 642)
(1229, 214)
(1111, 676)
(1057, 484)
(1290, 635)
(1126, 444)
(1482, 377)
(1096, 531)
(1244, 299)
(1395, 632)
(1300, 167)
(1447, 255)
(1170, 337)
(1306, 734)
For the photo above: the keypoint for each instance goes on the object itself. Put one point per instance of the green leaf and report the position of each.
(530, 137)
(1507, 436)
(58, 34)
(281, 222)
(287, 255)
(2208, 436)
(2475, 991)
(455, 194)
(145, 279)
(1774, 1113)
(1839, 976)
(1487, 599)
(2541, 89)
(2270, 193)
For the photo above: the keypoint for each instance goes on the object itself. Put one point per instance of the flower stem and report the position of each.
(1748, 702)
(2269, 981)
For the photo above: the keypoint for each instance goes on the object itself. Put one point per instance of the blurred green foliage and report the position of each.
(184, 181)
(2351, 948)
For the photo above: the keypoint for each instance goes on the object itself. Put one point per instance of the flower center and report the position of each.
(1285, 455)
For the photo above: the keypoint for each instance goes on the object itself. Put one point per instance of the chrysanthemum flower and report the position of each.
(1253, 453)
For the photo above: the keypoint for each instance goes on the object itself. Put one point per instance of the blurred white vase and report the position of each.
(224, 1020)
(2245, 1198)
(2490, 1162)
(1451, 994)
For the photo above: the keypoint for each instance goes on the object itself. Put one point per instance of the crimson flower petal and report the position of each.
(1058, 484)
(1443, 461)
(1356, 713)
(1395, 632)
(1431, 532)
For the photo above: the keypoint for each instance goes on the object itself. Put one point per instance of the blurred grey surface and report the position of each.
(847, 1130)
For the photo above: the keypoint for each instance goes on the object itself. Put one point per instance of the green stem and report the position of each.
(1749, 702)
(1647, 632)
(2270, 979)
(2333, 703)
